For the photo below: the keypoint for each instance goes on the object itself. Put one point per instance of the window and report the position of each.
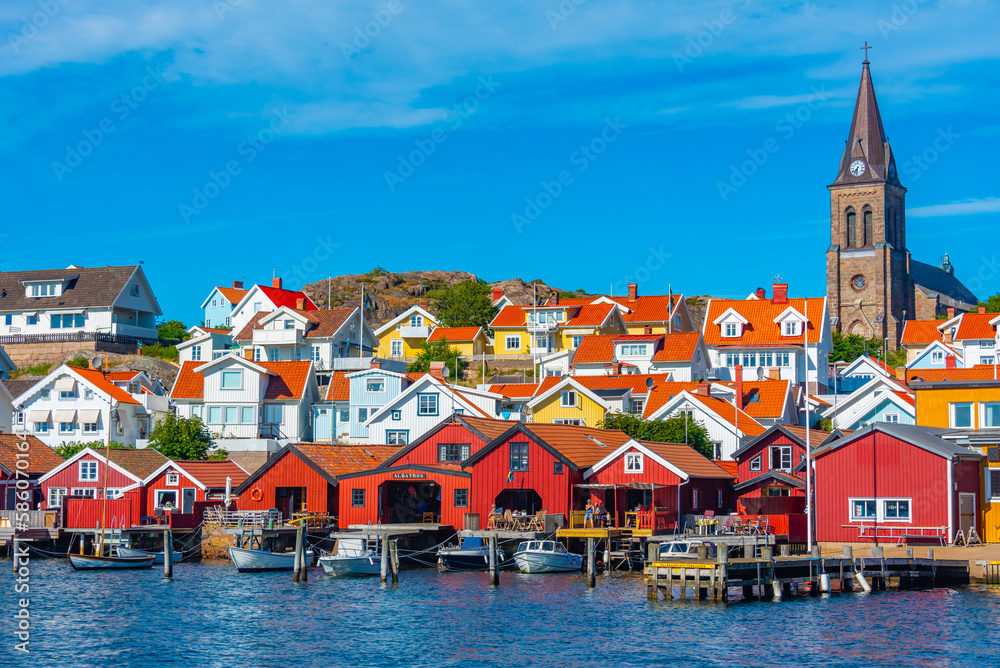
(67, 427)
(557, 467)
(396, 348)
(229, 321)
(8, 319)
(165, 498)
(989, 343)
(256, 307)
(852, 229)
(781, 359)
(461, 498)
(892, 418)
(273, 355)
(567, 398)
(453, 452)
(362, 414)
(232, 380)
(961, 415)
(755, 463)
(937, 356)
(214, 304)
(215, 414)
(358, 498)
(85, 492)
(133, 289)
(196, 353)
(880, 510)
(396, 437)
(695, 498)
(896, 509)
(632, 350)
(56, 495)
(173, 479)
(376, 384)
(89, 427)
(732, 359)
(731, 329)
(232, 414)
(208, 322)
(512, 342)
(777, 491)
(427, 404)
(70, 394)
(986, 359)
(256, 354)
(32, 319)
(88, 393)
(416, 320)
(88, 470)
(719, 503)
(638, 405)
(345, 415)
(573, 421)
(869, 239)
(576, 341)
(790, 328)
(18, 417)
(289, 324)
(41, 427)
(994, 480)
(781, 458)
(862, 509)
(518, 456)
(397, 416)
(749, 360)
(633, 462)
(314, 354)
(990, 412)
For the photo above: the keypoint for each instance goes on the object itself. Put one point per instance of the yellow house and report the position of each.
(568, 402)
(470, 341)
(972, 407)
(522, 331)
(403, 337)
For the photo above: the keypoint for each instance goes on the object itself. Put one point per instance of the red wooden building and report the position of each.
(182, 484)
(888, 480)
(303, 477)
(771, 474)
(38, 459)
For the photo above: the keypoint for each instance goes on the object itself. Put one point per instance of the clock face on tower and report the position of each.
(859, 282)
(858, 167)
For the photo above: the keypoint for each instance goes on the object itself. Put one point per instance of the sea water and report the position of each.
(210, 615)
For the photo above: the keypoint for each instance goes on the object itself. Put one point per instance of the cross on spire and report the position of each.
(865, 49)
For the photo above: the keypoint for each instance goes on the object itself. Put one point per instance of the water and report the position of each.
(210, 615)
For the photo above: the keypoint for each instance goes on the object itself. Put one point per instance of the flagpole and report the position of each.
(809, 512)
(362, 328)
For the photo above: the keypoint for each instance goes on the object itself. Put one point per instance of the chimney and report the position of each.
(901, 373)
(238, 285)
(951, 312)
(704, 389)
(276, 283)
(647, 330)
(774, 373)
(300, 303)
(780, 293)
(497, 293)
(738, 375)
(375, 363)
(436, 368)
(949, 362)
(982, 309)
(248, 354)
(761, 294)
(423, 304)
(633, 291)
(554, 299)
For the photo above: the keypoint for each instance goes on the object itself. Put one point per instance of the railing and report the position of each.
(415, 332)
(544, 325)
(277, 336)
(31, 519)
(73, 337)
(314, 520)
(270, 430)
(218, 516)
(145, 333)
(873, 532)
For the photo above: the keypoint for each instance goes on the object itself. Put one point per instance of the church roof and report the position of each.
(867, 139)
(933, 280)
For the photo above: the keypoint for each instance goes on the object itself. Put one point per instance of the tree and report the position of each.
(173, 330)
(181, 438)
(992, 304)
(437, 351)
(669, 430)
(67, 450)
(466, 304)
(849, 347)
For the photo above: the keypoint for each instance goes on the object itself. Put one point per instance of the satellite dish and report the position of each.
(97, 362)
(649, 383)
(445, 371)
(760, 373)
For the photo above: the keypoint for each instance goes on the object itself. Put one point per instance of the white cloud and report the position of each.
(966, 207)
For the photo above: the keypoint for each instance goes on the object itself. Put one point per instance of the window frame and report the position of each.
(425, 411)
(378, 381)
(731, 330)
(512, 338)
(444, 452)
(59, 493)
(634, 462)
(781, 448)
(358, 497)
(88, 464)
(172, 480)
(519, 456)
(461, 497)
(230, 374)
(396, 348)
(393, 436)
(881, 509)
(756, 462)
(564, 395)
(951, 414)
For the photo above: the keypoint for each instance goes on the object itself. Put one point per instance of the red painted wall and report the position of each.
(290, 471)
(160, 482)
(426, 453)
(369, 514)
(70, 478)
(744, 473)
(879, 465)
(80, 513)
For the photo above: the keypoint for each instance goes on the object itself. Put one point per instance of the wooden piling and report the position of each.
(591, 567)
(684, 576)
(786, 550)
(297, 559)
(304, 571)
(494, 566)
(168, 553)
(13, 552)
(384, 572)
(394, 560)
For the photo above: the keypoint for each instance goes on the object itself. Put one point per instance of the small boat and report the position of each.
(546, 556)
(685, 549)
(157, 556)
(86, 562)
(258, 561)
(472, 555)
(351, 557)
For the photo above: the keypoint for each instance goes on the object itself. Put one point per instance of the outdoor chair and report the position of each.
(537, 523)
(508, 520)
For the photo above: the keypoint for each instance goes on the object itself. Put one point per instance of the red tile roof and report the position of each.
(906, 397)
(678, 347)
(328, 321)
(233, 295)
(290, 382)
(96, 378)
(763, 398)
(140, 463)
(689, 460)
(729, 467)
(921, 332)
(343, 459)
(515, 390)
(189, 384)
(339, 388)
(287, 298)
(590, 315)
(882, 365)
(595, 349)
(647, 309)
(455, 333)
(728, 412)
(976, 326)
(213, 474)
(40, 457)
(761, 330)
(121, 375)
(584, 446)
(246, 333)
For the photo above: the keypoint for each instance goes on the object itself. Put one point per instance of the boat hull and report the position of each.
(259, 561)
(157, 556)
(83, 562)
(548, 562)
(350, 566)
(467, 560)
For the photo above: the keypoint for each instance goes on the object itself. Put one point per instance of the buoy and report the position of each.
(824, 582)
(862, 581)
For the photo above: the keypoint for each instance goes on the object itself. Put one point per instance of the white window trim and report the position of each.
(879, 509)
(230, 389)
(736, 330)
(760, 460)
(951, 414)
(59, 493)
(87, 463)
(173, 480)
(508, 338)
(635, 458)
(563, 394)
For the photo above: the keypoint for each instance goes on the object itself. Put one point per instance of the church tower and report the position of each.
(867, 265)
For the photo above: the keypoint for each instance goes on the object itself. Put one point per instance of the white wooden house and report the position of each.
(263, 298)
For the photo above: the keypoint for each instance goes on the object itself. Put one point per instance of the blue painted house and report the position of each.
(935, 356)
(220, 303)
(882, 399)
(372, 389)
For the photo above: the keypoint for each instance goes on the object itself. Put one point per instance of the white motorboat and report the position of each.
(685, 549)
(473, 555)
(157, 556)
(351, 557)
(87, 562)
(546, 556)
(258, 561)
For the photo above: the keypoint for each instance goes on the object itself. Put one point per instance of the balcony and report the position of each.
(543, 325)
(359, 363)
(412, 332)
(279, 337)
(148, 333)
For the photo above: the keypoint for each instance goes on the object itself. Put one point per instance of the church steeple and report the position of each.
(867, 157)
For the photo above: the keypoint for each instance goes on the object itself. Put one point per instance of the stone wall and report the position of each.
(215, 542)
(32, 354)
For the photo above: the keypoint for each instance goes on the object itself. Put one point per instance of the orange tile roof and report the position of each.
(96, 378)
(121, 375)
(647, 309)
(688, 460)
(976, 326)
(589, 315)
(585, 315)
(572, 301)
(213, 474)
(40, 457)
(455, 333)
(515, 390)
(763, 398)
(634, 381)
(247, 332)
(678, 347)
(921, 332)
(290, 382)
(140, 463)
(509, 316)
(891, 370)
(339, 388)
(728, 466)
(214, 330)
(339, 460)
(234, 295)
(978, 372)
(728, 412)
(575, 443)
(761, 330)
(189, 384)
(663, 393)
(906, 397)
(328, 321)
(595, 349)
(488, 427)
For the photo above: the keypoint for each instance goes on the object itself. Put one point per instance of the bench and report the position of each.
(904, 538)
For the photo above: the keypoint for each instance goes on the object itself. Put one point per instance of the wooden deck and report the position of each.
(588, 532)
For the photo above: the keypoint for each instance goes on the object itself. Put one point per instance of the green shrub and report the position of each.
(79, 362)
(168, 353)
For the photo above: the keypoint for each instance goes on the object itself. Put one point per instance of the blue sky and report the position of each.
(580, 142)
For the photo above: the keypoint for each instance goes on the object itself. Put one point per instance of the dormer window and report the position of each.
(632, 350)
(43, 290)
(790, 328)
(731, 329)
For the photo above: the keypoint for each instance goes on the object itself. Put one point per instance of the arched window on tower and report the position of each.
(852, 229)
(869, 240)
